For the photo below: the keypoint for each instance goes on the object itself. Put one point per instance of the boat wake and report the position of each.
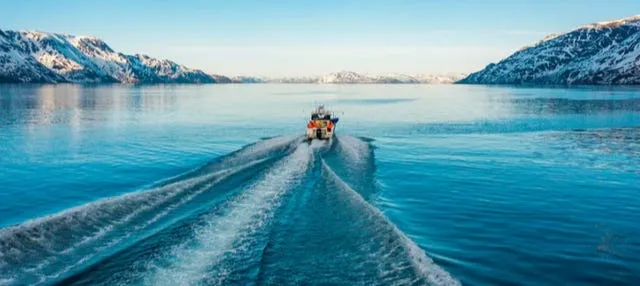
(280, 211)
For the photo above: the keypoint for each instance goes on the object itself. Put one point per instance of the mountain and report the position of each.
(221, 79)
(349, 77)
(346, 77)
(38, 57)
(248, 79)
(605, 53)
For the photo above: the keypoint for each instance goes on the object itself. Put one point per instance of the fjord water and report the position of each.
(213, 184)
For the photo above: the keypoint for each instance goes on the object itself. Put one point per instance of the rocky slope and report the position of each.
(38, 57)
(606, 53)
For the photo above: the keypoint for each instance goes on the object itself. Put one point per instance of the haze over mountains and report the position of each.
(605, 53)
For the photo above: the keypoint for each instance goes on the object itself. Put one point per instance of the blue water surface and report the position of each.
(214, 184)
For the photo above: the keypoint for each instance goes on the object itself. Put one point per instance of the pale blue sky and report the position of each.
(293, 38)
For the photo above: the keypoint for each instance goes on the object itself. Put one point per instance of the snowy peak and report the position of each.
(345, 77)
(33, 56)
(602, 53)
(91, 45)
(633, 20)
(18, 65)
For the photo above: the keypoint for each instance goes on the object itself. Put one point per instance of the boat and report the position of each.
(322, 124)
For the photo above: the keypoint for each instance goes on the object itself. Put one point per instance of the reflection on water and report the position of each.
(75, 104)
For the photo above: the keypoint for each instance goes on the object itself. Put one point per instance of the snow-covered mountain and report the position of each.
(604, 53)
(346, 77)
(221, 79)
(30, 56)
(249, 79)
(349, 77)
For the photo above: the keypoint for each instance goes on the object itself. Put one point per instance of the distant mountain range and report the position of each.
(349, 77)
(606, 53)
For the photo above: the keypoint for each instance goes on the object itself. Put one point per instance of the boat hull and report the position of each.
(319, 133)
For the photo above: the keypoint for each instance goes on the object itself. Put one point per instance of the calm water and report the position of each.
(425, 184)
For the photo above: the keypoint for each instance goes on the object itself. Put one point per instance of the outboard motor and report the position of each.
(319, 133)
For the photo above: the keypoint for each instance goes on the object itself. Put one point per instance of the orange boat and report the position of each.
(322, 124)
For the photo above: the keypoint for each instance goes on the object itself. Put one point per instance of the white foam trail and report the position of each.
(246, 214)
(261, 149)
(354, 148)
(38, 241)
(225, 174)
(422, 264)
(158, 216)
(249, 154)
(43, 230)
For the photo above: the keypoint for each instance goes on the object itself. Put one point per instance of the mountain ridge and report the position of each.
(602, 53)
(40, 57)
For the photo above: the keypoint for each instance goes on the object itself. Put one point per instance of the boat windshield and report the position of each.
(316, 116)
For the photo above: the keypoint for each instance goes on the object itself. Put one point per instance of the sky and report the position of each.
(305, 38)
